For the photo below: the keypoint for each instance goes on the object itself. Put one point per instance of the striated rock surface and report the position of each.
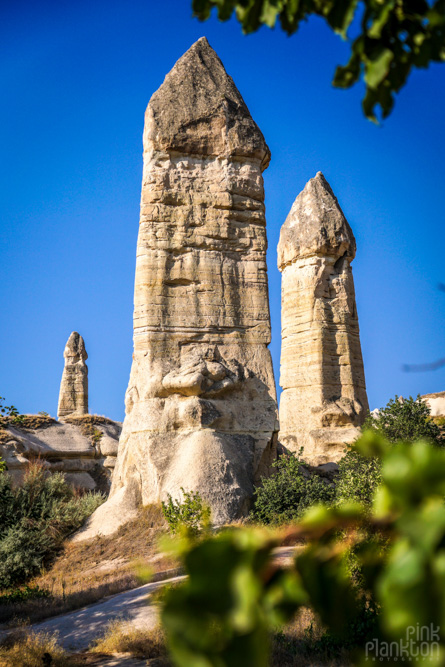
(84, 448)
(200, 406)
(324, 394)
(73, 396)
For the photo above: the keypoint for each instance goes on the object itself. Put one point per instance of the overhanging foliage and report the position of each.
(394, 37)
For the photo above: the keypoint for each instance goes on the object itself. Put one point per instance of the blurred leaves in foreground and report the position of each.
(235, 594)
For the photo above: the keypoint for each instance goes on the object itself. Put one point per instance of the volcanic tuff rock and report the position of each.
(200, 406)
(324, 394)
(84, 448)
(436, 403)
(73, 396)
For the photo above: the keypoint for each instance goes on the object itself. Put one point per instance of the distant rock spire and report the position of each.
(324, 394)
(73, 395)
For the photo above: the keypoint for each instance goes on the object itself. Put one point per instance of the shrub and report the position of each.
(9, 414)
(23, 594)
(358, 477)
(289, 492)
(34, 520)
(2, 465)
(405, 419)
(401, 419)
(190, 514)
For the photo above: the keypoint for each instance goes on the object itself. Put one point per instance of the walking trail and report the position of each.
(78, 629)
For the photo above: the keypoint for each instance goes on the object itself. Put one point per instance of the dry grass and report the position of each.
(31, 649)
(298, 645)
(88, 571)
(87, 424)
(120, 637)
(29, 422)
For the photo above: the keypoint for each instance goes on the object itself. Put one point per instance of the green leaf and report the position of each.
(341, 15)
(377, 68)
(269, 12)
(385, 9)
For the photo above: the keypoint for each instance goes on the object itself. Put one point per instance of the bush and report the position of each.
(405, 419)
(401, 419)
(190, 514)
(9, 414)
(123, 637)
(23, 594)
(289, 492)
(34, 520)
(358, 477)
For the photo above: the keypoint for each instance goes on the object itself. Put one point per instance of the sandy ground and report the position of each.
(78, 629)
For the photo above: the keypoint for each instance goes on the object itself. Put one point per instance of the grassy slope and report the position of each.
(88, 571)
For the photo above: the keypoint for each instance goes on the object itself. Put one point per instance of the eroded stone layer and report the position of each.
(200, 406)
(324, 394)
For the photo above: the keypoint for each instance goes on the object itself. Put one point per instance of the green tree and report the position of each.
(405, 419)
(392, 36)
(401, 419)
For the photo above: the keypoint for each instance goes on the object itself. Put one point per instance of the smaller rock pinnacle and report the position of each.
(73, 396)
(315, 225)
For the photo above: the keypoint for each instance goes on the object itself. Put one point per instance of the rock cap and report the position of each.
(75, 348)
(315, 225)
(198, 110)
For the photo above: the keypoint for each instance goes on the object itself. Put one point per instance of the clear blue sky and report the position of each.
(76, 77)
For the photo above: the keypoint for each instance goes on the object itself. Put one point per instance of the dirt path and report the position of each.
(78, 629)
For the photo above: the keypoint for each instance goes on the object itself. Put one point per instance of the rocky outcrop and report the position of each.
(436, 403)
(83, 448)
(200, 406)
(324, 394)
(73, 396)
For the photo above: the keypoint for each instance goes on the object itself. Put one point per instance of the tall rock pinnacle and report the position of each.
(200, 405)
(73, 395)
(324, 394)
